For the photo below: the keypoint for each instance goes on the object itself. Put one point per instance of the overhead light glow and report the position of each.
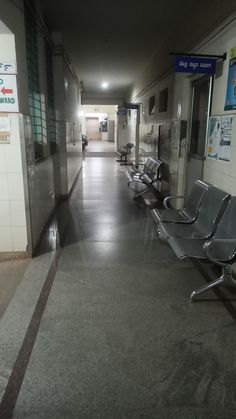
(104, 85)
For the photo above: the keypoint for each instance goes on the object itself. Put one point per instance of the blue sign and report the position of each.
(185, 64)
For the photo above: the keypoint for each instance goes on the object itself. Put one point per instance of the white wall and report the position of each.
(13, 230)
(220, 173)
(107, 109)
(149, 124)
(67, 105)
(13, 225)
(103, 110)
(37, 185)
(53, 177)
(12, 16)
(73, 138)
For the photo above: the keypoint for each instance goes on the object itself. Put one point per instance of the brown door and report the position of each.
(92, 129)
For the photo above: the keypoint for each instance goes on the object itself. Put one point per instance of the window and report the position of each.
(35, 106)
(41, 106)
(51, 118)
(152, 105)
(163, 100)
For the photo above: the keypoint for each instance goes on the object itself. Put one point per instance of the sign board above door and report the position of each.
(186, 64)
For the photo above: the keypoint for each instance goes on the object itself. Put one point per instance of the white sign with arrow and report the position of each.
(8, 94)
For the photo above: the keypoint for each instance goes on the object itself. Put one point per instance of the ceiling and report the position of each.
(115, 41)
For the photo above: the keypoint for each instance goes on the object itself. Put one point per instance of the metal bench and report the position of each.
(211, 209)
(188, 213)
(147, 181)
(123, 153)
(220, 249)
(134, 173)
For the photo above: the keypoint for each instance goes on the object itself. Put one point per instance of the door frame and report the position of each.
(193, 80)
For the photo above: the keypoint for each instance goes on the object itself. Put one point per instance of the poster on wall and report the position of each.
(213, 137)
(230, 102)
(225, 140)
(219, 137)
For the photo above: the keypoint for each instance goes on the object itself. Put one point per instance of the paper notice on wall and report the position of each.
(219, 137)
(226, 136)
(214, 137)
(5, 130)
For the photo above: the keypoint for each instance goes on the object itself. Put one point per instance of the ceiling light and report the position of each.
(104, 85)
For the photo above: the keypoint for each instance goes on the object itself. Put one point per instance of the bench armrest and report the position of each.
(208, 245)
(135, 167)
(168, 198)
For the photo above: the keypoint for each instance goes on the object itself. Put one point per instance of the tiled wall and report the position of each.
(13, 231)
(67, 101)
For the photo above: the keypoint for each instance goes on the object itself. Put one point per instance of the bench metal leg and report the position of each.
(126, 162)
(225, 279)
(141, 193)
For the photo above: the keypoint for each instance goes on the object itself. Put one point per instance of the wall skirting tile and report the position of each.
(4, 256)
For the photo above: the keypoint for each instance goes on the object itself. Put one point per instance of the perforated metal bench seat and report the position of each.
(136, 173)
(194, 248)
(123, 154)
(186, 247)
(147, 181)
(170, 216)
(211, 208)
(219, 249)
(188, 213)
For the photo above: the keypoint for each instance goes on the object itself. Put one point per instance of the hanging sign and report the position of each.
(230, 102)
(185, 64)
(8, 94)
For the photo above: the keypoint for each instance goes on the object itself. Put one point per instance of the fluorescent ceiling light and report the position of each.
(104, 85)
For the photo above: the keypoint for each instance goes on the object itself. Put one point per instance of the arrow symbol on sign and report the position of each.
(6, 91)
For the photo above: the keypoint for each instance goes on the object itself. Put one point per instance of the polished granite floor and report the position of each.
(101, 326)
(97, 148)
(100, 146)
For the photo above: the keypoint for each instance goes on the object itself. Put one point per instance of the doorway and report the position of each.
(99, 124)
(93, 131)
(201, 98)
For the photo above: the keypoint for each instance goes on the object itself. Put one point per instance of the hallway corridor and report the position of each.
(99, 148)
(117, 337)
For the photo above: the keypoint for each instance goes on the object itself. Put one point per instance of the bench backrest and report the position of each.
(194, 200)
(226, 229)
(211, 209)
(151, 166)
(148, 165)
(155, 168)
(152, 174)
